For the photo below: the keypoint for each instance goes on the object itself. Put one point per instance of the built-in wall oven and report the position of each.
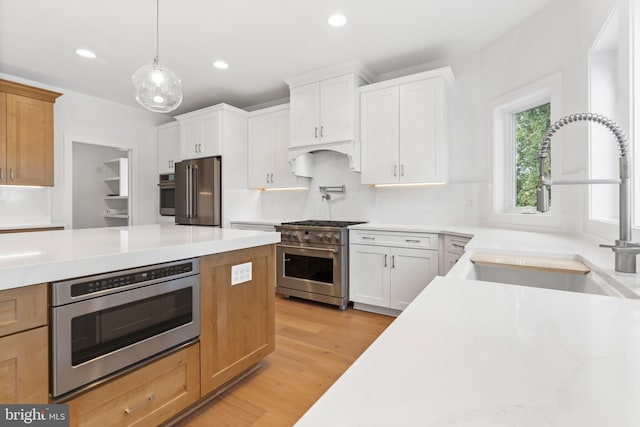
(167, 194)
(102, 325)
(313, 261)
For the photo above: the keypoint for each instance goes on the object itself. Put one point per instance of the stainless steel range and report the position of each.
(313, 261)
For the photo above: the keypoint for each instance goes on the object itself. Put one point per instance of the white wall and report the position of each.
(92, 120)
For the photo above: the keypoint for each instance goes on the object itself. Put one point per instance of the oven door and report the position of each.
(98, 337)
(167, 198)
(310, 269)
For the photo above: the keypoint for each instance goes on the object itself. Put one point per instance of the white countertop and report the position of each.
(43, 256)
(31, 226)
(469, 353)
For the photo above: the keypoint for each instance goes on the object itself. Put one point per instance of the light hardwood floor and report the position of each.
(315, 344)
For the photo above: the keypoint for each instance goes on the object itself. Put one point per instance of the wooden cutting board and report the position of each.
(526, 262)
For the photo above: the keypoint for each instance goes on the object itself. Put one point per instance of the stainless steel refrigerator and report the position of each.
(198, 191)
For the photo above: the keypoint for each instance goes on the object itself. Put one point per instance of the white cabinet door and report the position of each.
(421, 139)
(211, 135)
(168, 148)
(379, 136)
(282, 176)
(369, 275)
(337, 109)
(260, 159)
(200, 136)
(411, 271)
(305, 114)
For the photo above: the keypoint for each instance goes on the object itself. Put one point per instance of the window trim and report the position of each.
(502, 178)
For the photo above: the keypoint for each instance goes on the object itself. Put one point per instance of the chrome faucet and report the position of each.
(625, 250)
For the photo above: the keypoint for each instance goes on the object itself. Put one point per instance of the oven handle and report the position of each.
(334, 250)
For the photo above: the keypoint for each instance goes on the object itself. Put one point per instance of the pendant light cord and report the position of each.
(157, 31)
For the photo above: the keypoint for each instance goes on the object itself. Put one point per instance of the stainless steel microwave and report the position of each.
(167, 194)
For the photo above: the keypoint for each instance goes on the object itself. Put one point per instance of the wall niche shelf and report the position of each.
(117, 197)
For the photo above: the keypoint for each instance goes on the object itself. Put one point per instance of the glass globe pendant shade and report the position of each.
(157, 88)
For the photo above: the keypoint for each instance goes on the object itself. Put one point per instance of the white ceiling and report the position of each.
(264, 41)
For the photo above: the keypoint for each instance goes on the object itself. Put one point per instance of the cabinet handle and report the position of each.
(395, 170)
(11, 174)
(402, 170)
(412, 241)
(272, 178)
(316, 131)
(195, 148)
(321, 131)
(457, 246)
(393, 261)
(368, 238)
(149, 399)
(385, 260)
(267, 178)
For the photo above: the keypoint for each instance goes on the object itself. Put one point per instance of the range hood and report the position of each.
(301, 157)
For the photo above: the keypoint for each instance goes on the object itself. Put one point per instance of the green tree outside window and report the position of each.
(530, 127)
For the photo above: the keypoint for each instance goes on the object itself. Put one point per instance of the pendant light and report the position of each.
(156, 87)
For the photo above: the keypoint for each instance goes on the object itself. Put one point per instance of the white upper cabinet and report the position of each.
(268, 139)
(324, 112)
(200, 134)
(168, 147)
(305, 114)
(403, 129)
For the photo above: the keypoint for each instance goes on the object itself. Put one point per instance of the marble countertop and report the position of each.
(471, 353)
(43, 256)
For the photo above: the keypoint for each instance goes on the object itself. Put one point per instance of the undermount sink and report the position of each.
(562, 275)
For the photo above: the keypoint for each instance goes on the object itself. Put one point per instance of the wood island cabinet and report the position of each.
(26, 134)
(24, 345)
(145, 397)
(237, 321)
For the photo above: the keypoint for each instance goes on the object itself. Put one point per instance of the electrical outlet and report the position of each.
(241, 273)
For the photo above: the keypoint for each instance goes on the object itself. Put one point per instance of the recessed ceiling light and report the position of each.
(337, 20)
(85, 53)
(221, 65)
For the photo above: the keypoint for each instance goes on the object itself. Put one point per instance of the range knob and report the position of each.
(336, 238)
(327, 237)
(320, 236)
(307, 238)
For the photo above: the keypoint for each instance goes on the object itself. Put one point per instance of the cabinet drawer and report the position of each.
(396, 239)
(147, 396)
(23, 308)
(455, 244)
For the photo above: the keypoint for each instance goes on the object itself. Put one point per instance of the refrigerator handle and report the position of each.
(194, 192)
(189, 197)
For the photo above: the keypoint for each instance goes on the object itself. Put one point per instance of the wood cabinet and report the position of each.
(453, 250)
(403, 129)
(146, 396)
(26, 135)
(24, 345)
(324, 111)
(168, 147)
(387, 270)
(268, 143)
(237, 321)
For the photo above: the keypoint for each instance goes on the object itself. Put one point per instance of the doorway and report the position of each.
(101, 185)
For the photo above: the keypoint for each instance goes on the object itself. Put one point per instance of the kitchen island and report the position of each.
(233, 315)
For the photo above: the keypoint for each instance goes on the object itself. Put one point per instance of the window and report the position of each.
(530, 126)
(520, 120)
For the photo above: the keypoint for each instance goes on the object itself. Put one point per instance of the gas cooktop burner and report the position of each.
(321, 223)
